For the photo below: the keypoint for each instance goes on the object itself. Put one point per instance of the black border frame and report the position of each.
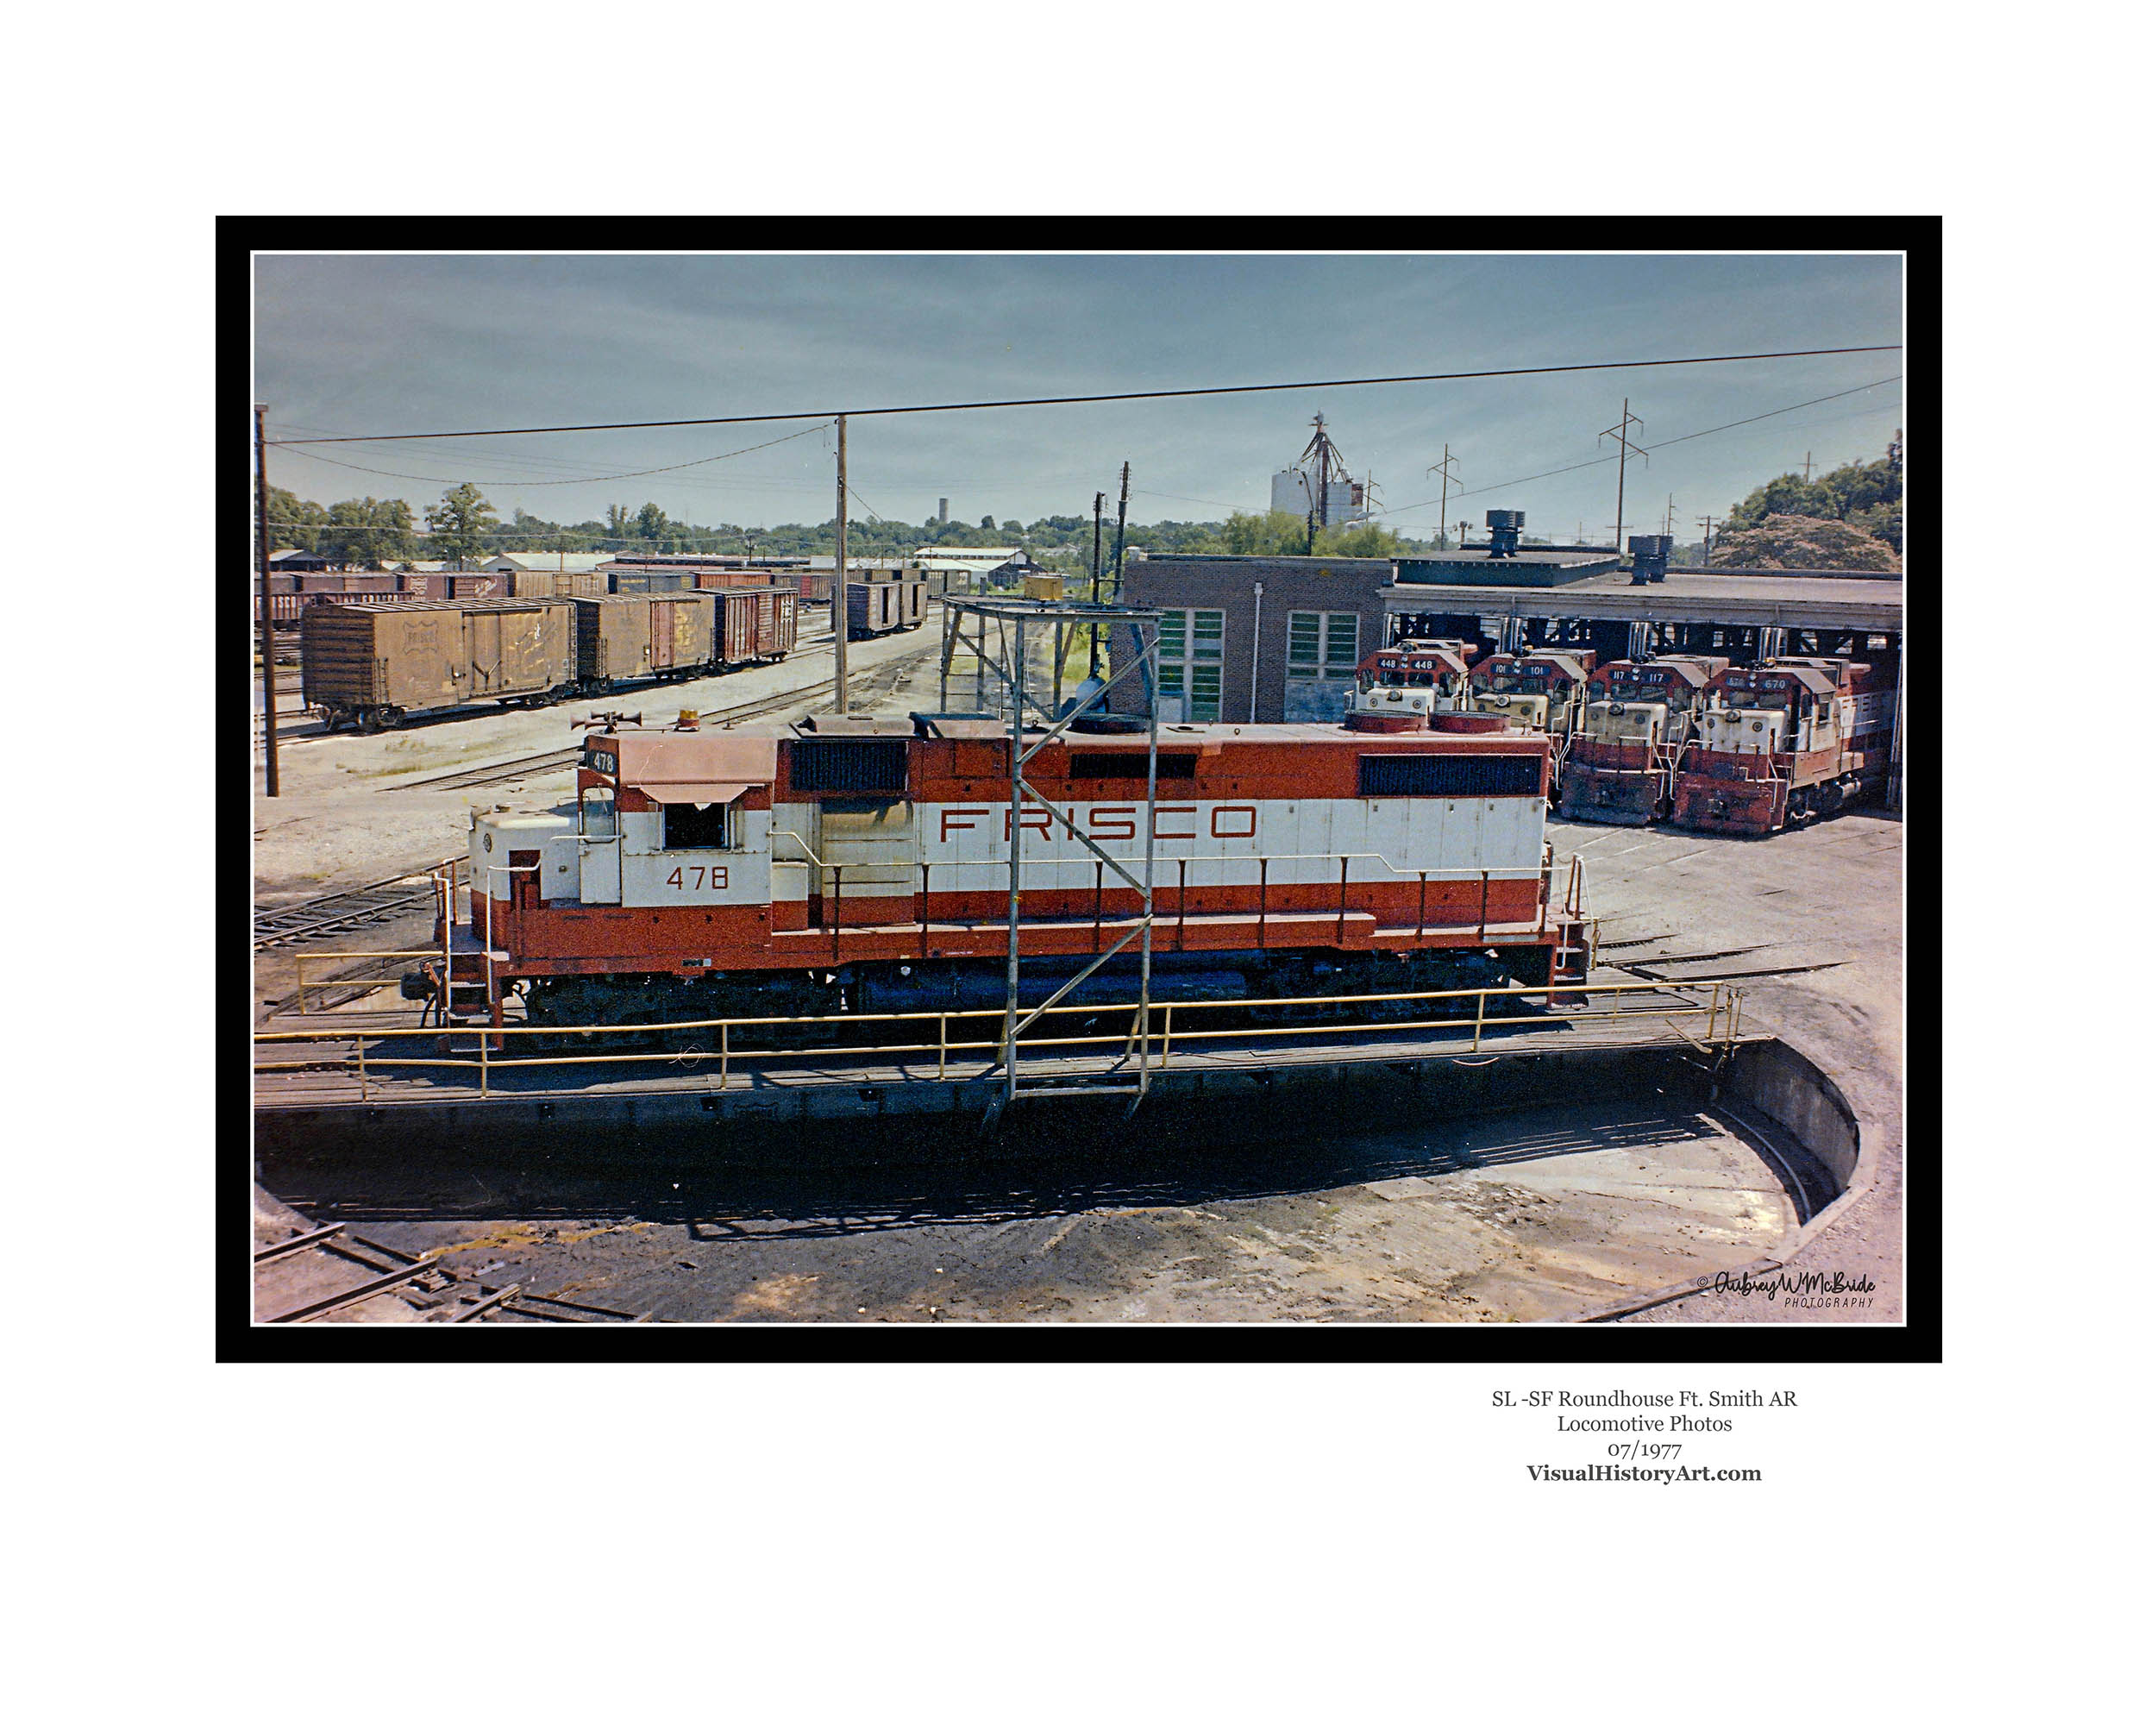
(1918, 1339)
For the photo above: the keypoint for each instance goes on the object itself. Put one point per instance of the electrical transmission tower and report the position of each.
(1626, 450)
(1445, 480)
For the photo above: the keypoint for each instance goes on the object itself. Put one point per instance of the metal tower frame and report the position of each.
(1007, 661)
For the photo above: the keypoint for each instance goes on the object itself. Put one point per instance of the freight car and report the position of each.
(889, 606)
(1621, 766)
(1784, 743)
(671, 635)
(863, 867)
(374, 664)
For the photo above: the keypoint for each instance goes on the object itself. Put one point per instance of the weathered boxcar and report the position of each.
(441, 584)
(374, 663)
(757, 624)
(625, 636)
(884, 607)
(638, 581)
(557, 584)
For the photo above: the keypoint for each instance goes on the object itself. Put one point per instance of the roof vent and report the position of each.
(1649, 556)
(1504, 526)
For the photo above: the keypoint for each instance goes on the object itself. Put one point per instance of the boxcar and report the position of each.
(557, 584)
(625, 636)
(443, 584)
(884, 607)
(374, 663)
(649, 580)
(759, 623)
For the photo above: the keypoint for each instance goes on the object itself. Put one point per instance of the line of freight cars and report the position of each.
(372, 664)
(880, 600)
(1687, 738)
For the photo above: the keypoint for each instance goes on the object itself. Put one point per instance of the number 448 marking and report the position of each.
(697, 872)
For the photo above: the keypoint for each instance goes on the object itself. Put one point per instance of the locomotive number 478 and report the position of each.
(695, 883)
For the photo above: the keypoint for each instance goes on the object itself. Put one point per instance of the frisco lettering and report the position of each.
(1110, 820)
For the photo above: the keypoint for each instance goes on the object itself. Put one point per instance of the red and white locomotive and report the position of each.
(1785, 741)
(864, 867)
(1621, 765)
(1544, 691)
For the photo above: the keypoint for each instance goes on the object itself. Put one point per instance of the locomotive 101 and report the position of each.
(864, 867)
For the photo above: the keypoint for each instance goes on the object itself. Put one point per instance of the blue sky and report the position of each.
(355, 345)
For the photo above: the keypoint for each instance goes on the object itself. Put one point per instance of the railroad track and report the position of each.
(446, 1298)
(876, 683)
(356, 907)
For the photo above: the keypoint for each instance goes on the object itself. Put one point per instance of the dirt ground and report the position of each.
(1513, 1217)
(1531, 1215)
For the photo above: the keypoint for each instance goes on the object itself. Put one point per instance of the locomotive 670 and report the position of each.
(863, 866)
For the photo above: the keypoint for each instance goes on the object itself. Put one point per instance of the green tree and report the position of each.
(293, 521)
(1364, 539)
(365, 533)
(460, 523)
(987, 524)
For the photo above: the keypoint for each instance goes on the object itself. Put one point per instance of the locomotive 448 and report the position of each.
(864, 867)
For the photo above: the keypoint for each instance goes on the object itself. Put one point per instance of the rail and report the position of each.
(1706, 1024)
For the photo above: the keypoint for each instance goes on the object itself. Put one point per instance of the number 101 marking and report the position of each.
(696, 884)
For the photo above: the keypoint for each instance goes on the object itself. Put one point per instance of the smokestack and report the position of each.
(942, 511)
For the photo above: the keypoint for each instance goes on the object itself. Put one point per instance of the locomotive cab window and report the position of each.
(595, 813)
(691, 828)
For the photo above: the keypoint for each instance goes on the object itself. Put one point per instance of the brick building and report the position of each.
(1306, 622)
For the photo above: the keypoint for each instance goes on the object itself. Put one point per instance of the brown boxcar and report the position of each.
(884, 607)
(627, 636)
(759, 623)
(557, 584)
(442, 584)
(373, 663)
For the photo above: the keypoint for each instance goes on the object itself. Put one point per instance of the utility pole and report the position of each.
(1625, 450)
(1122, 512)
(1668, 517)
(269, 652)
(1446, 476)
(838, 578)
(1807, 466)
(1707, 544)
(1092, 653)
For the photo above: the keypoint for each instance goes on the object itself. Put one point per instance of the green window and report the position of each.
(1190, 650)
(1321, 645)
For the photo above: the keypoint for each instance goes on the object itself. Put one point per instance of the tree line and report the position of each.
(371, 533)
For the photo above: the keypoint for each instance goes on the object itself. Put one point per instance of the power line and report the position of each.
(592, 479)
(1601, 460)
(1079, 400)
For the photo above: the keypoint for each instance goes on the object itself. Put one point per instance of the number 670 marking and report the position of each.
(696, 884)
